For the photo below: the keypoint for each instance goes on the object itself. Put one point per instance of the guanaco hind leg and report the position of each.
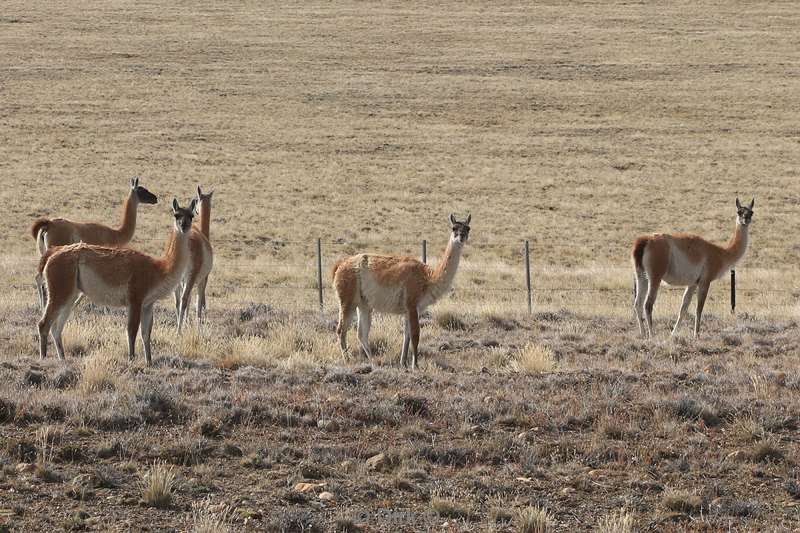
(364, 324)
(406, 341)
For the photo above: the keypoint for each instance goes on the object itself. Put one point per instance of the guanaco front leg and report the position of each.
(147, 328)
(134, 320)
(201, 298)
(687, 298)
(177, 293)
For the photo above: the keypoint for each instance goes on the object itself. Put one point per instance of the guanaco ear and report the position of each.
(752, 203)
(174, 205)
(193, 205)
(199, 192)
(452, 219)
(469, 217)
(134, 183)
(738, 204)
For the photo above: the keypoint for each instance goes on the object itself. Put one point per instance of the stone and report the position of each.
(327, 496)
(307, 487)
(328, 425)
(378, 462)
(736, 456)
(25, 467)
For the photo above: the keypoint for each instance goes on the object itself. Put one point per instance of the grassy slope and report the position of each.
(574, 126)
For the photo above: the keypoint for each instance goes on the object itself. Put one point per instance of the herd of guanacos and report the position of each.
(92, 260)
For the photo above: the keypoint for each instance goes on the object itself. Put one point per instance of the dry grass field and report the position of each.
(574, 125)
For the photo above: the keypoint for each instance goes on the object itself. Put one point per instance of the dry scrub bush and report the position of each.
(448, 508)
(103, 371)
(533, 359)
(157, 485)
(286, 345)
(681, 501)
(206, 520)
(533, 520)
(620, 521)
(44, 454)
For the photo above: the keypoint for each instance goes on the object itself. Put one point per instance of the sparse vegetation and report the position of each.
(533, 359)
(681, 501)
(208, 518)
(533, 520)
(374, 133)
(158, 484)
(620, 521)
(449, 508)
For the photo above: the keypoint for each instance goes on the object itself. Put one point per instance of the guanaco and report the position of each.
(395, 285)
(685, 261)
(200, 264)
(115, 277)
(60, 231)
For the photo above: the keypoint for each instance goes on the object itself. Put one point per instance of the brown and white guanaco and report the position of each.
(115, 277)
(395, 285)
(60, 231)
(200, 264)
(685, 261)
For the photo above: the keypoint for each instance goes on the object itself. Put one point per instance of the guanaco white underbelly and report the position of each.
(385, 299)
(682, 271)
(101, 292)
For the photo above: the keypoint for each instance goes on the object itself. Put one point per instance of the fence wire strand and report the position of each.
(255, 266)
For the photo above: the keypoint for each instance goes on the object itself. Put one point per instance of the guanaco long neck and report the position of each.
(445, 272)
(205, 217)
(128, 226)
(176, 254)
(738, 244)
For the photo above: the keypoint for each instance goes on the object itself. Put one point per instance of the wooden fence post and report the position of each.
(424, 251)
(528, 276)
(319, 275)
(733, 291)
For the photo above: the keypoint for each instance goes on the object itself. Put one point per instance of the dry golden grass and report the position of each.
(207, 519)
(158, 484)
(533, 520)
(535, 120)
(574, 126)
(533, 359)
(103, 370)
(620, 521)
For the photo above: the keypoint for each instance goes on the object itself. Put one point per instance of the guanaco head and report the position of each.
(183, 215)
(141, 194)
(460, 229)
(203, 199)
(744, 215)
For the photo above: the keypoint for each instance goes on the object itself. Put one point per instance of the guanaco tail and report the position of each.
(116, 277)
(200, 263)
(397, 285)
(685, 261)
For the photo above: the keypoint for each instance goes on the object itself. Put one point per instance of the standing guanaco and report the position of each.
(396, 285)
(116, 277)
(685, 261)
(202, 260)
(60, 231)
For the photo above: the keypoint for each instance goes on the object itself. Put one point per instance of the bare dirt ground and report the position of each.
(576, 126)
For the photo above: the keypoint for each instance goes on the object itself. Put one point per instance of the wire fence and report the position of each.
(528, 281)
